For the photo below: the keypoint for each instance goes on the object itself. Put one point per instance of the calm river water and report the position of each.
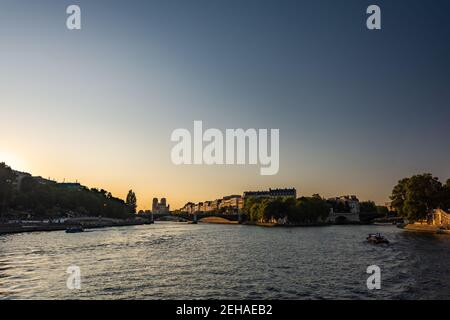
(206, 261)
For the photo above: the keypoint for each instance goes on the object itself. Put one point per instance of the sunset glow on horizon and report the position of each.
(356, 111)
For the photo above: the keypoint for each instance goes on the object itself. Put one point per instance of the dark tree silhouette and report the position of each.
(42, 198)
(7, 178)
(131, 201)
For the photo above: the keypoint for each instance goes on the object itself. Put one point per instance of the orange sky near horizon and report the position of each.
(357, 110)
(179, 184)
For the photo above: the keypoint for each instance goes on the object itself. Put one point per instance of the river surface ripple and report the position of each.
(207, 261)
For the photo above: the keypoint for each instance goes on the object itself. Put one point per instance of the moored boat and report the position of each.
(442, 231)
(75, 229)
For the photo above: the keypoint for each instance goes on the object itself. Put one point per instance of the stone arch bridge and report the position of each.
(199, 216)
(341, 218)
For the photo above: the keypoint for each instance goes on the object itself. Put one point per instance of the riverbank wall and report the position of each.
(419, 227)
(11, 228)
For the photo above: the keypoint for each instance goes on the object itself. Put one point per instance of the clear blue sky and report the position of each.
(357, 109)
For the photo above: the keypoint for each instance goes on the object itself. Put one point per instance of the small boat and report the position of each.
(74, 229)
(377, 238)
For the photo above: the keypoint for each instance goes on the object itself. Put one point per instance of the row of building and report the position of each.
(347, 204)
(235, 203)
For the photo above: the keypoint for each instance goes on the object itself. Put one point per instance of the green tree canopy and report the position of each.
(414, 197)
(302, 210)
(310, 210)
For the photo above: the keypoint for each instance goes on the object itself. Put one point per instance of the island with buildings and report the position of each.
(282, 207)
(33, 203)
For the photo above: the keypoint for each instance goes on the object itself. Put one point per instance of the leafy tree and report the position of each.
(249, 202)
(275, 209)
(367, 207)
(339, 206)
(416, 196)
(310, 209)
(47, 199)
(398, 197)
(303, 210)
(131, 201)
(382, 210)
(446, 196)
(7, 177)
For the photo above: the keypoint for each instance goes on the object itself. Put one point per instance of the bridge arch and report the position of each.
(342, 218)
